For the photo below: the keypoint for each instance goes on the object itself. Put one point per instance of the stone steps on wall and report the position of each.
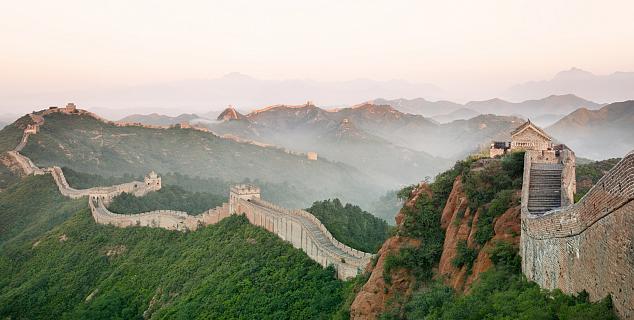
(545, 187)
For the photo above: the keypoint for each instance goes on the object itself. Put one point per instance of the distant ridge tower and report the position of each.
(242, 191)
(153, 181)
(70, 108)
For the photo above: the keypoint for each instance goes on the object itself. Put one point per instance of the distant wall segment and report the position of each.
(303, 230)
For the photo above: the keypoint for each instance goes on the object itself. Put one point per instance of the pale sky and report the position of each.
(461, 46)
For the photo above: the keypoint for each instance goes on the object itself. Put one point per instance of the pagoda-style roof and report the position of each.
(529, 124)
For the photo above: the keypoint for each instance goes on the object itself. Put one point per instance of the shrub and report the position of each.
(464, 255)
(351, 225)
(500, 203)
(502, 294)
(405, 193)
(505, 255)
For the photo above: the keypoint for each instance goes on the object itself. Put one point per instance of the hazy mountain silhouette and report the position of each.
(159, 119)
(618, 86)
(460, 114)
(598, 134)
(553, 104)
(236, 89)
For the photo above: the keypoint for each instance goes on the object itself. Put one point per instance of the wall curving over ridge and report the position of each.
(303, 230)
(588, 245)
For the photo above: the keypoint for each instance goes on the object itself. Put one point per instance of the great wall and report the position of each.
(588, 245)
(303, 230)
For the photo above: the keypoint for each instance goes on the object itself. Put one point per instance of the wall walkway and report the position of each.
(588, 245)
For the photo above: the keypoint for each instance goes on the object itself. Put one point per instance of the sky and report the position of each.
(468, 48)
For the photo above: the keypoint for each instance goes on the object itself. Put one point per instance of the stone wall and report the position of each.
(588, 245)
(166, 219)
(305, 232)
(299, 227)
(138, 188)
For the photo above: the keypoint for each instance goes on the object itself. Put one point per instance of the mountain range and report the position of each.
(86, 144)
(366, 130)
(246, 92)
(618, 86)
(553, 104)
(598, 134)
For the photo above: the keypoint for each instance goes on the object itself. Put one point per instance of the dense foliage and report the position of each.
(491, 188)
(77, 269)
(589, 174)
(351, 225)
(7, 177)
(464, 255)
(82, 180)
(32, 207)
(503, 200)
(11, 134)
(168, 198)
(422, 221)
(482, 184)
(502, 293)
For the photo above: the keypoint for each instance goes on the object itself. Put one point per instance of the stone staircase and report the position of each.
(545, 187)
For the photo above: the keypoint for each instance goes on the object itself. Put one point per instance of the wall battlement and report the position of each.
(587, 245)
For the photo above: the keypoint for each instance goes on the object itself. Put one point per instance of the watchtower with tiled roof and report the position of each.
(528, 136)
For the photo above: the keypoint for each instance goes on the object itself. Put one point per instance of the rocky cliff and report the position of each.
(376, 294)
(383, 292)
(459, 223)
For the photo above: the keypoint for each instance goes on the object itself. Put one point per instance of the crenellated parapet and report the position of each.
(588, 245)
(304, 231)
(165, 219)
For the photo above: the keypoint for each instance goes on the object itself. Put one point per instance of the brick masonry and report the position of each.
(588, 245)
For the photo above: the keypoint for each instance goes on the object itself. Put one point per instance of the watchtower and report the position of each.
(242, 191)
(70, 108)
(153, 181)
(32, 129)
(530, 137)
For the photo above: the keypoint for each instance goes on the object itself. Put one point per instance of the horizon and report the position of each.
(438, 51)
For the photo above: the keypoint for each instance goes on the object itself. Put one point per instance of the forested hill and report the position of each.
(351, 225)
(86, 144)
(57, 263)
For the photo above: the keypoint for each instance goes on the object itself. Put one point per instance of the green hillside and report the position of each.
(88, 145)
(588, 174)
(351, 225)
(71, 268)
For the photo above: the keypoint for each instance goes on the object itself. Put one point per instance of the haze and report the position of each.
(468, 49)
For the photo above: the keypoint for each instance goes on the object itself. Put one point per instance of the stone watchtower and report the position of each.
(242, 191)
(70, 108)
(530, 137)
(153, 181)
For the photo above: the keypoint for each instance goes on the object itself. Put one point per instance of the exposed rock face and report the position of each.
(460, 223)
(371, 301)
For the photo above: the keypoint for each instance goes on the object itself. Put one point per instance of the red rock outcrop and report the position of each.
(371, 300)
(460, 223)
